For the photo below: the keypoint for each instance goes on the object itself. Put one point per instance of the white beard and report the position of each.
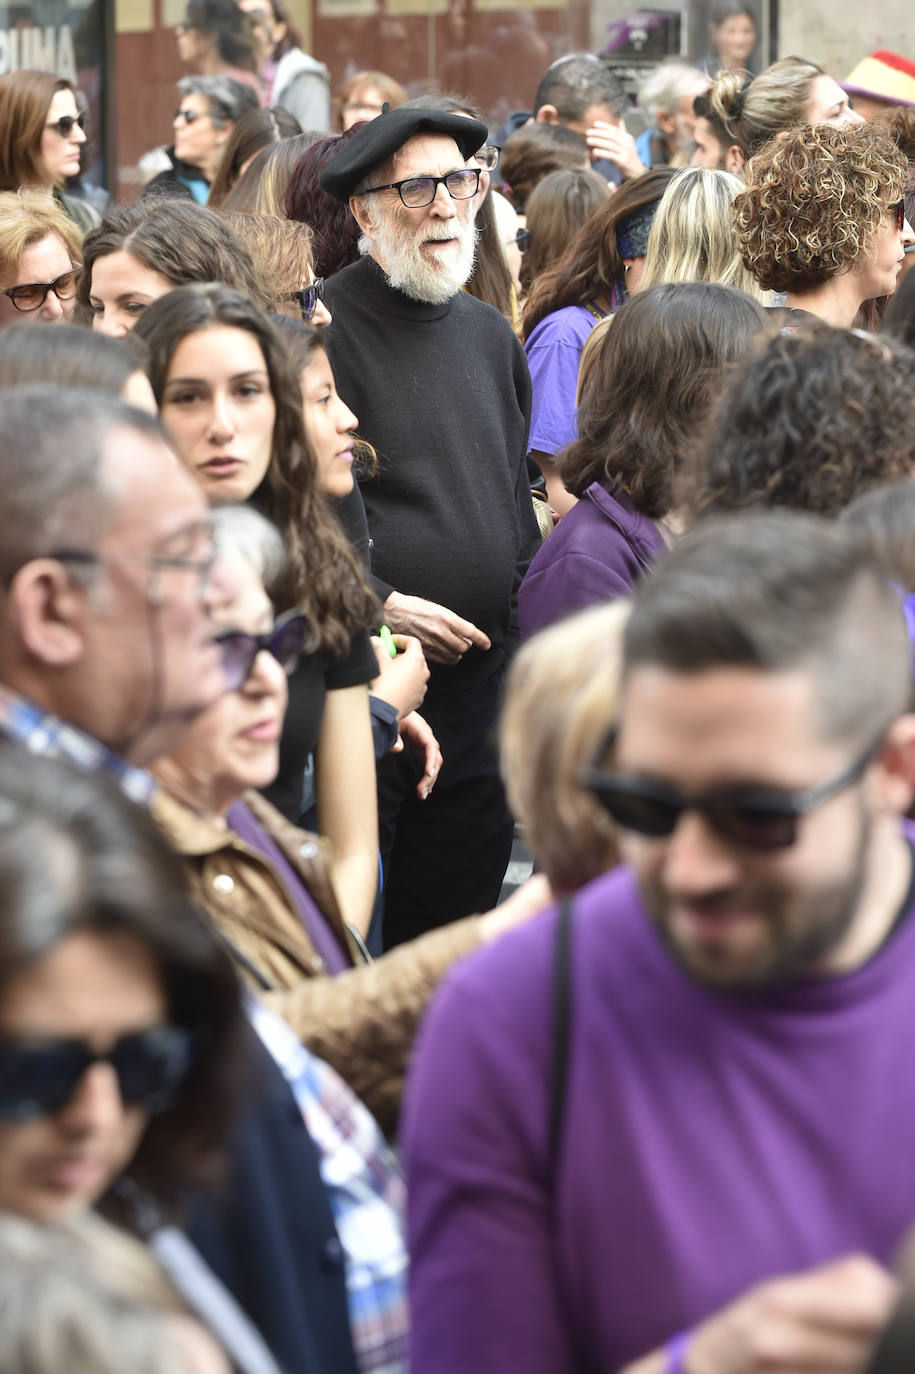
(433, 279)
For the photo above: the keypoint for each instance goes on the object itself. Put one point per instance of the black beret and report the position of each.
(379, 139)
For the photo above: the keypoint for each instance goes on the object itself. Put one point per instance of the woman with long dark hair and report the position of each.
(647, 380)
(230, 399)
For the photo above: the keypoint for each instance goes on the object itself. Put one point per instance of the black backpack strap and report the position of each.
(562, 997)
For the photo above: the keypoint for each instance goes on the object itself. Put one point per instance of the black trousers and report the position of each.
(445, 857)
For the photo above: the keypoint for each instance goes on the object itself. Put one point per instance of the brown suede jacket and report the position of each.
(364, 1020)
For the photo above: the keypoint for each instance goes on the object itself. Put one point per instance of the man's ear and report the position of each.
(360, 207)
(734, 160)
(665, 121)
(547, 114)
(895, 770)
(46, 611)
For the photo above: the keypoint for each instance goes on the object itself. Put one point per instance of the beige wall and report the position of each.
(837, 33)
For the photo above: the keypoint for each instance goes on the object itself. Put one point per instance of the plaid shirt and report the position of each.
(366, 1193)
(43, 733)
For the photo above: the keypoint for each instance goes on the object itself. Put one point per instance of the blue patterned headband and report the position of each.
(632, 232)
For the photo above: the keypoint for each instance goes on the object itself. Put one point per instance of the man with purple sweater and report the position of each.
(734, 1164)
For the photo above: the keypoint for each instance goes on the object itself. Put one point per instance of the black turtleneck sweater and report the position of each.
(444, 395)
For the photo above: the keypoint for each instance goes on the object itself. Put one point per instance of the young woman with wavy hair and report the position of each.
(230, 399)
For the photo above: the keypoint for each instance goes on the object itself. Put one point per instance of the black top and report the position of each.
(315, 676)
(443, 394)
(174, 181)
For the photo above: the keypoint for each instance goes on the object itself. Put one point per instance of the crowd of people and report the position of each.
(382, 497)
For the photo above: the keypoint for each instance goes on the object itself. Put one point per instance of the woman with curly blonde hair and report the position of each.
(822, 218)
(692, 235)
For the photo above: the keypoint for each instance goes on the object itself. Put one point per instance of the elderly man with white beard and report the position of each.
(441, 388)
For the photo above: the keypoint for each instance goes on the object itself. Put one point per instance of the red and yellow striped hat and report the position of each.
(883, 76)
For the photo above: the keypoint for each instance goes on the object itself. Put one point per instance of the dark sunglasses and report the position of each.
(32, 295)
(38, 1077)
(308, 297)
(755, 817)
(285, 642)
(898, 213)
(189, 115)
(64, 125)
(523, 240)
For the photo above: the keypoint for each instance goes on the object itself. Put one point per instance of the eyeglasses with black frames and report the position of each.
(757, 818)
(308, 297)
(32, 295)
(285, 642)
(898, 213)
(64, 125)
(488, 156)
(417, 192)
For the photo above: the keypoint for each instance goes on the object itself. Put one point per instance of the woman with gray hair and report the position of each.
(207, 111)
(268, 887)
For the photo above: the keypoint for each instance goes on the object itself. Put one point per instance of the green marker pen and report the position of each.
(387, 639)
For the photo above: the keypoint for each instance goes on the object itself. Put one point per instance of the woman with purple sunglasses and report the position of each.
(265, 884)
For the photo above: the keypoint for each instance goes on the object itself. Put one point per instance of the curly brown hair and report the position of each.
(648, 382)
(898, 123)
(813, 202)
(812, 420)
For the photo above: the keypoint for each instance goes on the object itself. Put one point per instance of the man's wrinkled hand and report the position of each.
(444, 635)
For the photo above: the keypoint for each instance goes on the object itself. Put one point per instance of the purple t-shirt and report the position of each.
(708, 1142)
(553, 356)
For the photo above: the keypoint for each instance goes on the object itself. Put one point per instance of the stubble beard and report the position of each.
(433, 280)
(799, 940)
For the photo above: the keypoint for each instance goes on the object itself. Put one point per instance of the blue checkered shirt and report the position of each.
(43, 733)
(366, 1192)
